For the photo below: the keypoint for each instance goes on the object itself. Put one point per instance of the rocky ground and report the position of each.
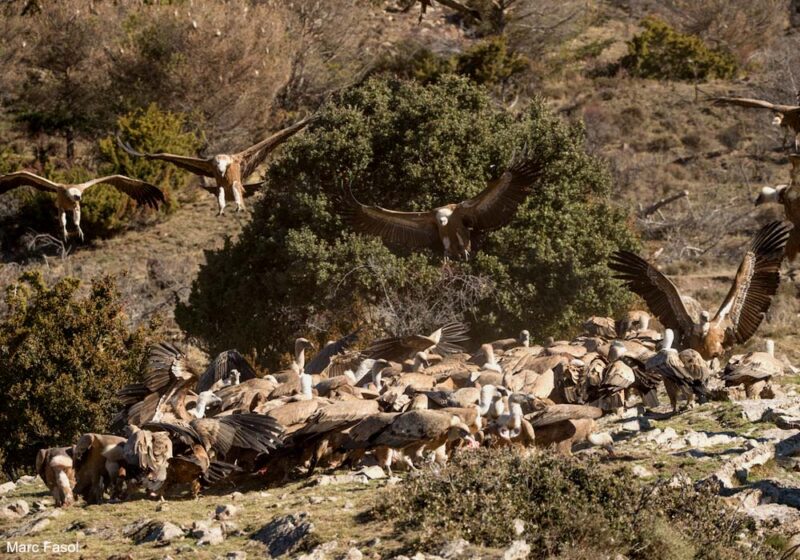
(749, 448)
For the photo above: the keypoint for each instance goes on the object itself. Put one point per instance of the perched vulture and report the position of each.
(786, 116)
(451, 226)
(753, 370)
(228, 170)
(683, 372)
(789, 197)
(741, 312)
(68, 196)
(443, 341)
(54, 466)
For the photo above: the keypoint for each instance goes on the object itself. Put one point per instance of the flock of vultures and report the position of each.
(410, 401)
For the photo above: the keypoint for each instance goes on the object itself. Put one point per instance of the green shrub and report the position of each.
(661, 52)
(297, 266)
(62, 358)
(567, 507)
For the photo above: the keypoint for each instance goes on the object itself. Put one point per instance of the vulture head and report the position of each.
(458, 431)
(777, 120)
(74, 194)
(221, 163)
(443, 216)
(669, 338)
(617, 351)
(203, 400)
(525, 338)
(770, 194)
(421, 361)
(377, 369)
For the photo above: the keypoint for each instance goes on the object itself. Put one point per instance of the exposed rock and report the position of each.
(237, 496)
(236, 555)
(519, 526)
(519, 550)
(20, 507)
(373, 472)
(226, 511)
(148, 530)
(284, 534)
(207, 533)
(666, 436)
(353, 554)
(32, 527)
(454, 549)
(7, 487)
(320, 552)
(316, 500)
(741, 464)
(27, 479)
(641, 472)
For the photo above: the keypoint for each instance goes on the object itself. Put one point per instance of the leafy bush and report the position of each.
(409, 146)
(62, 358)
(568, 507)
(487, 62)
(661, 52)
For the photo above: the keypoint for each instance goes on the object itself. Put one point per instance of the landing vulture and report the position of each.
(789, 197)
(786, 116)
(451, 226)
(228, 170)
(68, 196)
(741, 312)
(443, 341)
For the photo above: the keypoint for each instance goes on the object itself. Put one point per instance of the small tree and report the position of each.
(62, 359)
(403, 145)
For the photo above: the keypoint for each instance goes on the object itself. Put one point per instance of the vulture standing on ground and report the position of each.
(683, 372)
(753, 370)
(741, 312)
(443, 341)
(789, 197)
(786, 116)
(54, 466)
(68, 196)
(228, 170)
(452, 226)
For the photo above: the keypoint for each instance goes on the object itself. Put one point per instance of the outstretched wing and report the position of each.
(140, 191)
(410, 229)
(323, 357)
(754, 104)
(444, 340)
(198, 166)
(661, 295)
(254, 155)
(560, 412)
(495, 206)
(26, 179)
(221, 367)
(756, 282)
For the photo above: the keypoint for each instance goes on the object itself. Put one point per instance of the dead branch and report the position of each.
(661, 203)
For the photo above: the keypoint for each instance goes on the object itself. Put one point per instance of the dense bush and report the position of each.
(569, 509)
(407, 146)
(62, 358)
(661, 52)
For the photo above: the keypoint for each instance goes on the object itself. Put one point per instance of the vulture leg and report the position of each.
(76, 218)
(384, 456)
(237, 196)
(221, 200)
(753, 390)
(62, 217)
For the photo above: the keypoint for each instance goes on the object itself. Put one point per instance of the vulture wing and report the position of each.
(222, 366)
(660, 294)
(198, 166)
(754, 104)
(560, 412)
(140, 191)
(254, 155)
(25, 179)
(414, 426)
(323, 357)
(463, 8)
(338, 415)
(165, 364)
(409, 229)
(444, 340)
(257, 432)
(756, 282)
(495, 206)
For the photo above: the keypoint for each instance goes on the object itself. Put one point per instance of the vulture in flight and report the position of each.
(786, 116)
(789, 197)
(742, 310)
(228, 170)
(443, 341)
(68, 196)
(450, 227)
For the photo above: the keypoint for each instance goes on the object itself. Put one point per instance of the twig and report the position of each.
(661, 203)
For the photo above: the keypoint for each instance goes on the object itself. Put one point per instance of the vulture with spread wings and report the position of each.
(786, 116)
(452, 226)
(68, 196)
(788, 195)
(443, 340)
(228, 170)
(741, 312)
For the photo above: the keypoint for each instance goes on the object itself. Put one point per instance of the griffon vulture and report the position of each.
(228, 170)
(451, 226)
(443, 341)
(55, 467)
(68, 196)
(786, 116)
(789, 197)
(683, 372)
(753, 370)
(741, 312)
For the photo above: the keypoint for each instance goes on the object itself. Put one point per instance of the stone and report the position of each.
(641, 472)
(285, 534)
(373, 472)
(30, 528)
(353, 554)
(236, 555)
(237, 496)
(741, 464)
(454, 549)
(519, 550)
(320, 552)
(226, 511)
(7, 487)
(519, 526)
(20, 507)
(148, 530)
(316, 500)
(631, 426)
(207, 534)
(666, 436)
(27, 479)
